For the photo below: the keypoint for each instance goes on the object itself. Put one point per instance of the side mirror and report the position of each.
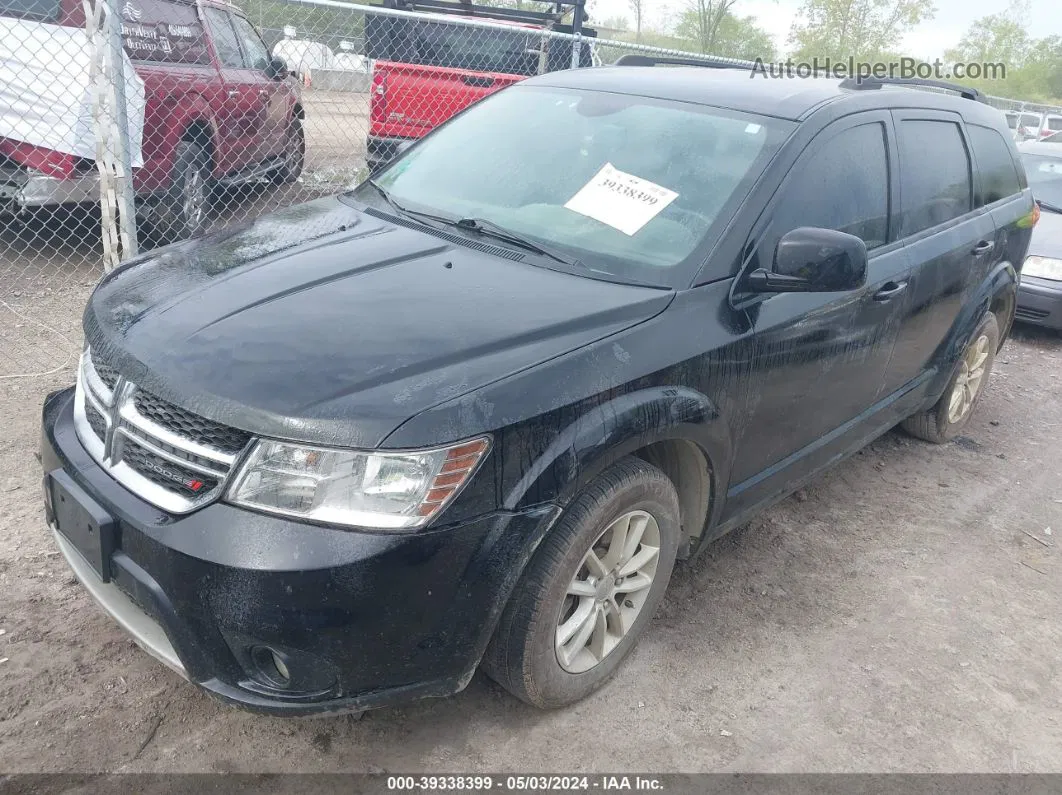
(277, 69)
(812, 260)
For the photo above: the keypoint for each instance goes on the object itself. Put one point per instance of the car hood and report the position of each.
(1047, 236)
(322, 323)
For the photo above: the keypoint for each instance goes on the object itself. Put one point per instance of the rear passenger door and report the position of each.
(821, 357)
(950, 244)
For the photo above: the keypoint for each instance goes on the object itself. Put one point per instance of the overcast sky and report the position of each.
(928, 40)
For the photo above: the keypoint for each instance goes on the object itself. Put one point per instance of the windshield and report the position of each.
(630, 187)
(1028, 120)
(1045, 177)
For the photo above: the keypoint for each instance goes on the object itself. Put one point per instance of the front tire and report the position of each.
(945, 420)
(294, 154)
(590, 589)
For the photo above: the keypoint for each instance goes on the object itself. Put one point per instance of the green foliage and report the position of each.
(735, 37)
(1033, 66)
(863, 29)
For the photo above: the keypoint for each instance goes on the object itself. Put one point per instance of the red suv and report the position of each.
(219, 111)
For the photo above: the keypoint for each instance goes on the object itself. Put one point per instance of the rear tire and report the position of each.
(590, 589)
(945, 420)
(184, 210)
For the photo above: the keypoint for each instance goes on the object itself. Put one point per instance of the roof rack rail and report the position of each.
(873, 83)
(637, 59)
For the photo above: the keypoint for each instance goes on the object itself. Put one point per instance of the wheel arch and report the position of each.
(676, 429)
(997, 294)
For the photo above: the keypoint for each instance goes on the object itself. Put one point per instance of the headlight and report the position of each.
(397, 490)
(1043, 268)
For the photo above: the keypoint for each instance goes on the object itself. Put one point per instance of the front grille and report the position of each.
(185, 423)
(171, 457)
(96, 421)
(167, 474)
(108, 375)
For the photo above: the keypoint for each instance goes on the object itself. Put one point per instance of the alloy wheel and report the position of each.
(968, 384)
(608, 592)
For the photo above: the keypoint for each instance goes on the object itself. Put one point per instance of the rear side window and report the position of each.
(1029, 120)
(843, 186)
(999, 176)
(935, 184)
(163, 32)
(224, 39)
(39, 10)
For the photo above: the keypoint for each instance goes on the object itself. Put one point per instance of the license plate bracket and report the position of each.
(82, 521)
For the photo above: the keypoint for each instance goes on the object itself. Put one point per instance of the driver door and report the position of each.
(821, 358)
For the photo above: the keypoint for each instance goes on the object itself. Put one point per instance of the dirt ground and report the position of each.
(901, 614)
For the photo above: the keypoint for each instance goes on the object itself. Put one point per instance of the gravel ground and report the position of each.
(901, 614)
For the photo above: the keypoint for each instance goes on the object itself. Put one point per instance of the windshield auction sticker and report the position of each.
(621, 200)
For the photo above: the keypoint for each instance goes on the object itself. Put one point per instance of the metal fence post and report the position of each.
(124, 177)
(577, 33)
(117, 207)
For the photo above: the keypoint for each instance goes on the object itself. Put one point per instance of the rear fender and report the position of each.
(1000, 286)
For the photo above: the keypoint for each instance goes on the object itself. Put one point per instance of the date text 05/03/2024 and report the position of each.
(545, 783)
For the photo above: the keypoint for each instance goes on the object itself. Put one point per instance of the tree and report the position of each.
(864, 29)
(735, 37)
(637, 7)
(706, 17)
(995, 38)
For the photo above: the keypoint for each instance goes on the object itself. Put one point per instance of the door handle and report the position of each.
(890, 290)
(983, 247)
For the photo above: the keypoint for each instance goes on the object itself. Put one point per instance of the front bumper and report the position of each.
(361, 620)
(23, 190)
(1039, 302)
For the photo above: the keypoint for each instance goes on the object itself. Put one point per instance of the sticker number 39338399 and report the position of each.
(621, 200)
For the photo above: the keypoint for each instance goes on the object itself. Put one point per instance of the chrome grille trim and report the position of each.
(126, 427)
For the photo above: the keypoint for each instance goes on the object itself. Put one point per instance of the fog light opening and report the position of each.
(272, 666)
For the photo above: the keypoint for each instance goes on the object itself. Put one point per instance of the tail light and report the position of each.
(378, 99)
(46, 161)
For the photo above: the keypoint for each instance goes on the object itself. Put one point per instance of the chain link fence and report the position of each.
(188, 118)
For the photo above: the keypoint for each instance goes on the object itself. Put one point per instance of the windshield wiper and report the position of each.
(478, 225)
(491, 229)
(403, 210)
(1051, 208)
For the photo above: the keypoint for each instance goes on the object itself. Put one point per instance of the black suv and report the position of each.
(473, 411)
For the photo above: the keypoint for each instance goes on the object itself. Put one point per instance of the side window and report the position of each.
(224, 38)
(163, 32)
(255, 54)
(999, 176)
(843, 186)
(935, 184)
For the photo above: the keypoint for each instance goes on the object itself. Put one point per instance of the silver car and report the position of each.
(1040, 291)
